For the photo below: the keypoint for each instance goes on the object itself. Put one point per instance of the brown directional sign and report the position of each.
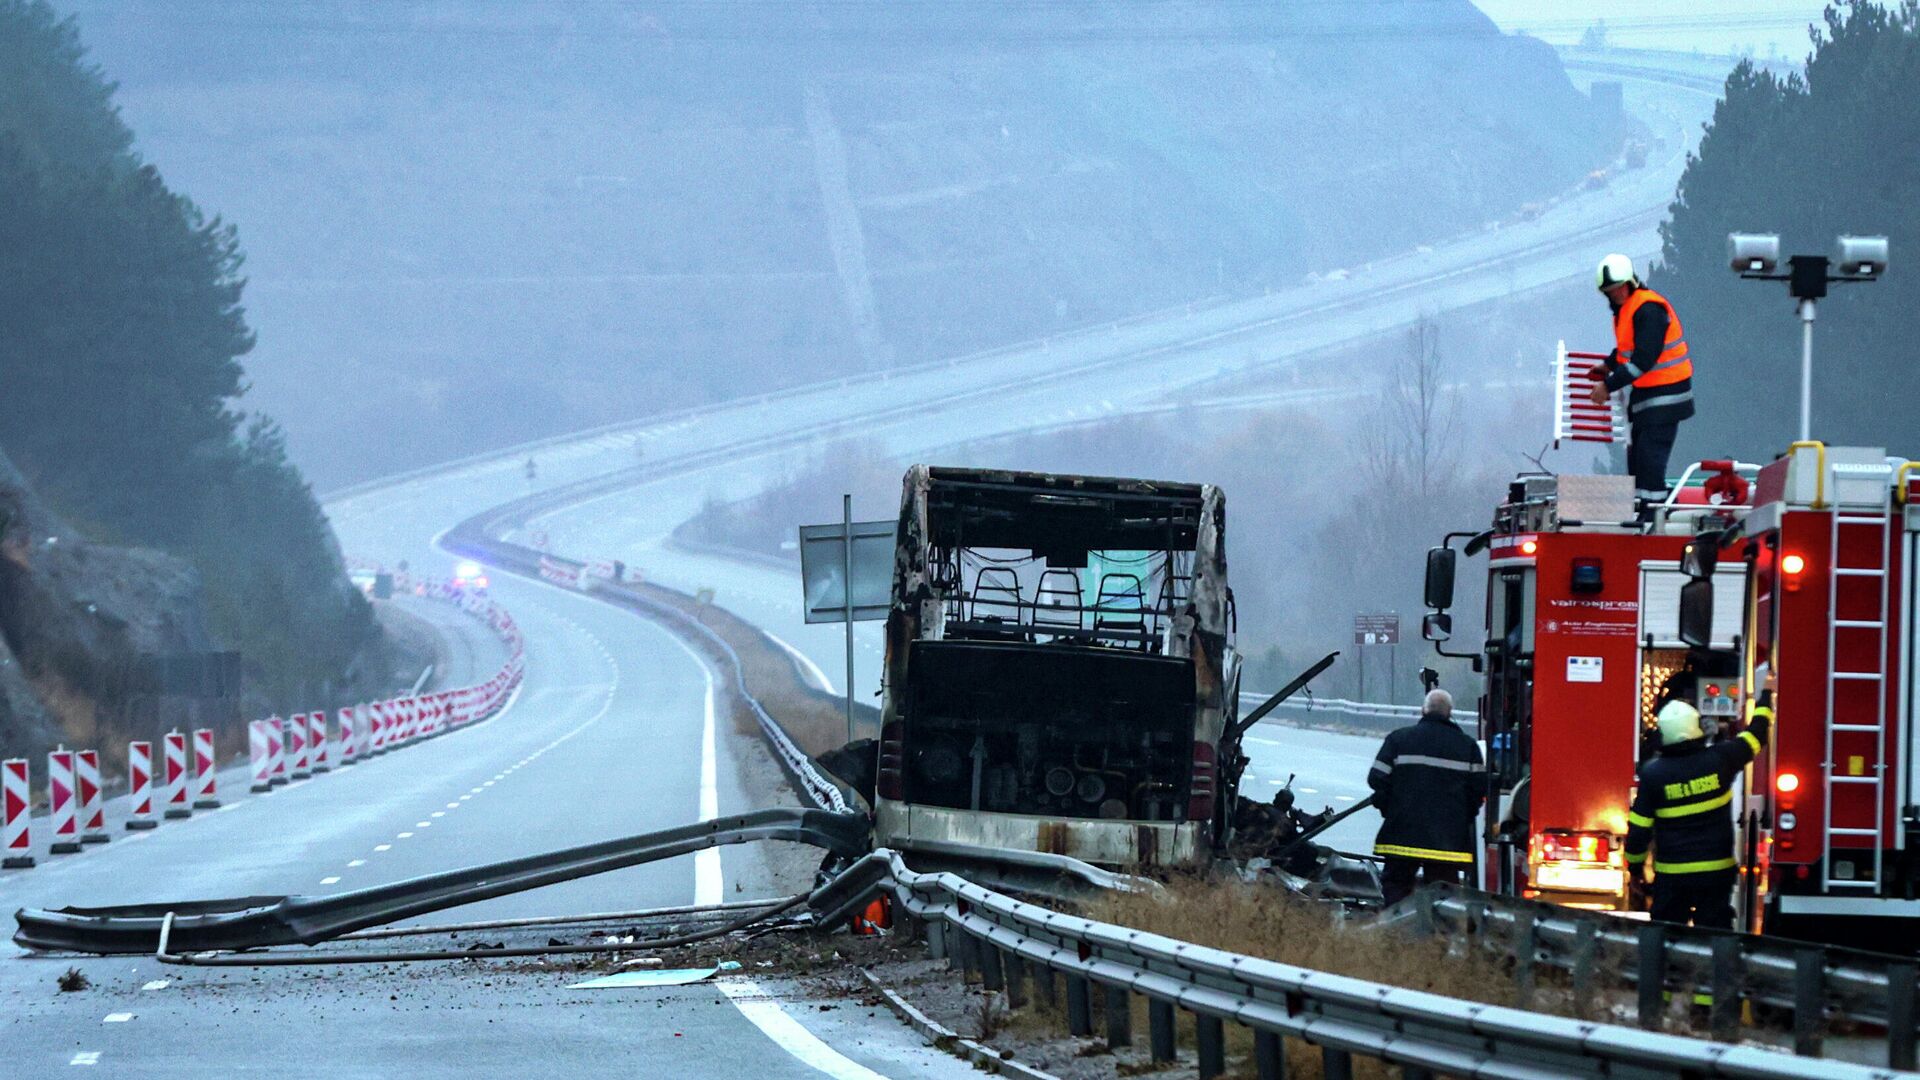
(1376, 629)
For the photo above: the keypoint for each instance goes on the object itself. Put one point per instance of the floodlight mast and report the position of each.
(1756, 257)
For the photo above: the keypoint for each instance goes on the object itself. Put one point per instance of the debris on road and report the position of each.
(669, 977)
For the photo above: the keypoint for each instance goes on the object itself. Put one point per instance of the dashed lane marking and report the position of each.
(383, 847)
(403, 836)
(116, 1018)
(356, 862)
(86, 1057)
(330, 881)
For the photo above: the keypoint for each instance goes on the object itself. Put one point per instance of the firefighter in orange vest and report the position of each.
(1650, 354)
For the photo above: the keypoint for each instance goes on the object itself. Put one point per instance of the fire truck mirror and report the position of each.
(1439, 580)
(1437, 626)
(1700, 558)
(1696, 613)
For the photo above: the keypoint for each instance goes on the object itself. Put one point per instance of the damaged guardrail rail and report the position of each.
(255, 922)
(1021, 948)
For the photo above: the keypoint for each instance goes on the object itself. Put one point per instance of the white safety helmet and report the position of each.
(1615, 269)
(1679, 722)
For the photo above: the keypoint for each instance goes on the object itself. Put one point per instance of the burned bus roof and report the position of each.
(996, 508)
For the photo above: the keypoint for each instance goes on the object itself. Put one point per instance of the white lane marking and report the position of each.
(383, 847)
(351, 863)
(463, 798)
(403, 836)
(423, 824)
(1343, 798)
(709, 884)
(1263, 742)
(808, 668)
(436, 813)
(86, 1057)
(157, 984)
(767, 1015)
(329, 881)
(453, 806)
(116, 1018)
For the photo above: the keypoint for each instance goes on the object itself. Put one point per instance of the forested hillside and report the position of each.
(1837, 152)
(484, 221)
(121, 333)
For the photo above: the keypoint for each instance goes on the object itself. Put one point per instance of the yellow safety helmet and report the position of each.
(1679, 722)
(1615, 269)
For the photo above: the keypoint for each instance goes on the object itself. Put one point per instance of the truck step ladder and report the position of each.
(1868, 664)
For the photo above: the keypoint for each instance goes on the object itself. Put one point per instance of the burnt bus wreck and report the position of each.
(1060, 667)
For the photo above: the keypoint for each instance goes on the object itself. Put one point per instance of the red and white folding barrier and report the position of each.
(93, 812)
(259, 758)
(61, 804)
(175, 799)
(297, 746)
(377, 728)
(140, 785)
(409, 719)
(317, 740)
(1575, 416)
(276, 751)
(206, 795)
(16, 833)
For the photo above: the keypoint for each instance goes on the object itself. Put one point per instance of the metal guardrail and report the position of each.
(1016, 947)
(1813, 982)
(255, 922)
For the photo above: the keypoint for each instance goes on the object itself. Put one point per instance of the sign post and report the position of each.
(832, 557)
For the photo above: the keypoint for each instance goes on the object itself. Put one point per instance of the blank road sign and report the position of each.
(823, 571)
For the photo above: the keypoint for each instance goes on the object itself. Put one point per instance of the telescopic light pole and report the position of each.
(1756, 257)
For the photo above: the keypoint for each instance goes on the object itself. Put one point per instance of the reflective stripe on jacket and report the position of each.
(1428, 783)
(1681, 807)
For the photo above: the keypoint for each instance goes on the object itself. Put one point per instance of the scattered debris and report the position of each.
(669, 977)
(74, 980)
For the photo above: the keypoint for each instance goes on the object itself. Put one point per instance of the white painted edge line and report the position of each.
(709, 878)
(86, 1057)
(766, 1014)
(808, 668)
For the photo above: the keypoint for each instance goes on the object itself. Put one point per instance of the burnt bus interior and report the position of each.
(1053, 682)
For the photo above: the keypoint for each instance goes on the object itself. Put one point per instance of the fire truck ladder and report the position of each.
(1860, 521)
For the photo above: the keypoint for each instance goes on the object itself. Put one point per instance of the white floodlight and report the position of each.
(1860, 256)
(1753, 253)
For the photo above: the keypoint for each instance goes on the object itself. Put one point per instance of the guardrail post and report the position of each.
(992, 978)
(1526, 946)
(1335, 1064)
(1043, 984)
(1586, 940)
(1210, 1043)
(1651, 979)
(1016, 977)
(936, 940)
(1900, 978)
(1269, 1056)
(1079, 1006)
(1160, 1031)
(966, 951)
(1723, 1021)
(1415, 1072)
(1119, 1010)
(1809, 1001)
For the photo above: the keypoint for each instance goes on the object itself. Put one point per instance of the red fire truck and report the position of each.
(1827, 596)
(1582, 618)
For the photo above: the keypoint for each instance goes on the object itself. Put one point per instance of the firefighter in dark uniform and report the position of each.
(1428, 781)
(1682, 809)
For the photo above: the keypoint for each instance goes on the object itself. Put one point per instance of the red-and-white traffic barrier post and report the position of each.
(93, 813)
(175, 800)
(259, 759)
(16, 834)
(206, 795)
(343, 719)
(317, 740)
(297, 746)
(376, 729)
(64, 808)
(140, 785)
(409, 716)
(276, 751)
